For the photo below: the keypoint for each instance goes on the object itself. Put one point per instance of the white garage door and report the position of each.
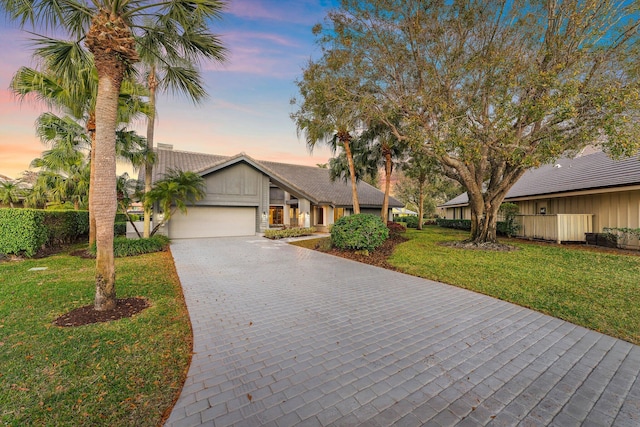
(204, 221)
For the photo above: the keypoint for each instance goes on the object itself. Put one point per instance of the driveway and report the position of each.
(285, 336)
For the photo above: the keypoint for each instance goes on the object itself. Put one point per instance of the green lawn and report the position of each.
(600, 291)
(125, 372)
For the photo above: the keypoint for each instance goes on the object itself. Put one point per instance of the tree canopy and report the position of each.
(491, 88)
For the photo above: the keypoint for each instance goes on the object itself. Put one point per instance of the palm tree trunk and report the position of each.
(104, 203)
(91, 127)
(112, 44)
(352, 172)
(388, 165)
(148, 166)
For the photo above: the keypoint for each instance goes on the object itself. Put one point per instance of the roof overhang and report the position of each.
(274, 177)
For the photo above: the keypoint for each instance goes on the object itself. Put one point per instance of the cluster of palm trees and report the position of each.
(118, 54)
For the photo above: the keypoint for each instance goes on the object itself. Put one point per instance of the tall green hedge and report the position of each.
(25, 231)
(66, 226)
(22, 231)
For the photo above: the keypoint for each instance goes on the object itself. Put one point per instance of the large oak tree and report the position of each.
(493, 88)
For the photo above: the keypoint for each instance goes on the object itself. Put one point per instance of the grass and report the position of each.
(125, 372)
(597, 290)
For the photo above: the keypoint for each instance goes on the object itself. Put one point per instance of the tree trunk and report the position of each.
(112, 44)
(485, 229)
(91, 128)
(148, 166)
(352, 172)
(388, 166)
(420, 206)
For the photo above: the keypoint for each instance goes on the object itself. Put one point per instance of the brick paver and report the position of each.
(285, 336)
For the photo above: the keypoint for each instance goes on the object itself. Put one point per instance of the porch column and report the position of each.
(304, 213)
(329, 215)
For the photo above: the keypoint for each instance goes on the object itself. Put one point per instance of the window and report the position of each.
(276, 215)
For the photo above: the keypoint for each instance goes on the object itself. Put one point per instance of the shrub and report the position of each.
(410, 221)
(359, 232)
(120, 225)
(396, 228)
(276, 233)
(22, 231)
(123, 247)
(509, 226)
(458, 224)
(26, 231)
(65, 226)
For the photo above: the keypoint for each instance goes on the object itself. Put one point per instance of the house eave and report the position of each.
(541, 196)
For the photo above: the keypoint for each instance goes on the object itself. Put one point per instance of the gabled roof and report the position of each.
(590, 172)
(312, 183)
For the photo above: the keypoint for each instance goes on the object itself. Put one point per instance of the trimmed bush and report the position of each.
(410, 221)
(22, 231)
(502, 227)
(65, 226)
(359, 232)
(120, 225)
(276, 233)
(123, 247)
(26, 231)
(458, 224)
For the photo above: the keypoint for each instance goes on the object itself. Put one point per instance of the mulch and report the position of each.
(378, 257)
(125, 307)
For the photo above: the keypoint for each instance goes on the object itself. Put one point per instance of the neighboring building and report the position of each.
(589, 193)
(245, 196)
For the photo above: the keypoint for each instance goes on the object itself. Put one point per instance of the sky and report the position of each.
(268, 41)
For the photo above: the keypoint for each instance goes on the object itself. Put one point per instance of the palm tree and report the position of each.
(76, 95)
(173, 192)
(128, 190)
(9, 193)
(66, 170)
(170, 66)
(383, 148)
(107, 28)
(325, 117)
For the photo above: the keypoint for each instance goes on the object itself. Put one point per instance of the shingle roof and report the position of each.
(588, 172)
(310, 182)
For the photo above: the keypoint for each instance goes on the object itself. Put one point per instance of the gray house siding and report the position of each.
(237, 186)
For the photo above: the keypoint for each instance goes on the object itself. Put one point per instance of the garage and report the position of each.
(210, 221)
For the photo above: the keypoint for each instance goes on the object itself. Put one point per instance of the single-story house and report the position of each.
(245, 196)
(400, 212)
(573, 196)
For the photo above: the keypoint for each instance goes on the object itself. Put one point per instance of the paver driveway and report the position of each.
(286, 336)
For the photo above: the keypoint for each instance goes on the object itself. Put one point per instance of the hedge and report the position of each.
(123, 247)
(26, 231)
(22, 231)
(65, 226)
(465, 224)
(276, 233)
(458, 224)
(410, 221)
